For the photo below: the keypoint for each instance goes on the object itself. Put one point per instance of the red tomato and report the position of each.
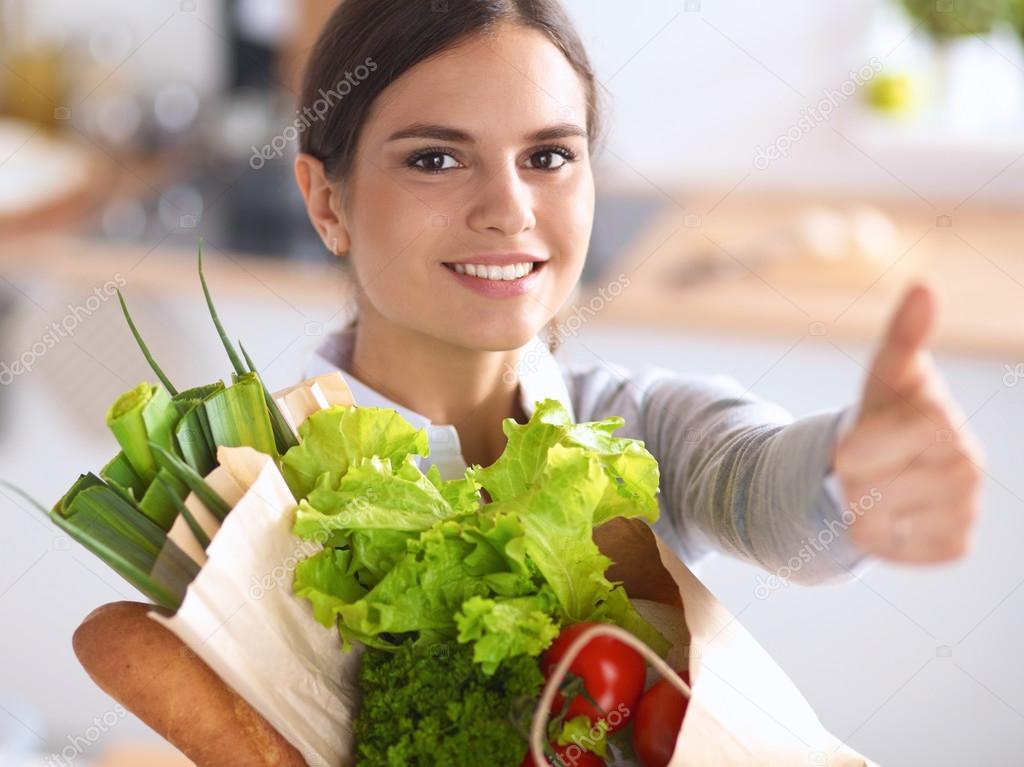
(613, 674)
(567, 756)
(659, 715)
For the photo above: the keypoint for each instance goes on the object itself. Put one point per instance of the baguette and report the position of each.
(153, 674)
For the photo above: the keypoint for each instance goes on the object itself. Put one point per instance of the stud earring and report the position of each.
(334, 245)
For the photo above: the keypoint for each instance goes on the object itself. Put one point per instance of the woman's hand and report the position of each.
(910, 469)
(158, 678)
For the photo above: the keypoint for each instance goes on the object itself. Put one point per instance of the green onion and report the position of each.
(139, 416)
(236, 363)
(186, 474)
(200, 535)
(145, 349)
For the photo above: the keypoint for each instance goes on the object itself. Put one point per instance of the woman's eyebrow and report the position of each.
(448, 133)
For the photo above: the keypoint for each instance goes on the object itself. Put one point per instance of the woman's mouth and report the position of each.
(498, 281)
(506, 273)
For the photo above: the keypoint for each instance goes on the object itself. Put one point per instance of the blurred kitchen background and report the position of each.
(775, 173)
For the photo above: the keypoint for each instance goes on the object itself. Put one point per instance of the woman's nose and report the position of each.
(504, 203)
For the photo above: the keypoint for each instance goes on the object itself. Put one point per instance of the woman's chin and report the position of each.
(502, 335)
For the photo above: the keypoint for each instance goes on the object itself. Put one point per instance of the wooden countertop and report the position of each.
(972, 255)
(170, 269)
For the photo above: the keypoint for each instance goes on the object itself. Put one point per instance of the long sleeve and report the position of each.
(738, 473)
(856, 562)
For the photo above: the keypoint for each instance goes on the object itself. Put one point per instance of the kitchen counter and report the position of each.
(780, 265)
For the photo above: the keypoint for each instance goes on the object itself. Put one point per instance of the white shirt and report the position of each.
(738, 474)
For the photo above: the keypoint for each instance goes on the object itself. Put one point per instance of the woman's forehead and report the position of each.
(512, 83)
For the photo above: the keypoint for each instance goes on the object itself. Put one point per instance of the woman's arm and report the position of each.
(158, 678)
(742, 476)
(806, 503)
(738, 473)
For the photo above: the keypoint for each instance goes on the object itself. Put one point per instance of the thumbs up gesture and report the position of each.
(909, 450)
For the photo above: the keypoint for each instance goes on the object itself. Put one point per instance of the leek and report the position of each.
(186, 474)
(168, 442)
(159, 502)
(197, 531)
(195, 439)
(103, 521)
(283, 433)
(236, 363)
(238, 416)
(119, 472)
(139, 416)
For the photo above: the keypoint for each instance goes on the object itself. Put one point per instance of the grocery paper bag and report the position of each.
(240, 615)
(743, 708)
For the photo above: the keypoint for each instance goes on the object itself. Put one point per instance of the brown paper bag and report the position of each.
(743, 709)
(239, 614)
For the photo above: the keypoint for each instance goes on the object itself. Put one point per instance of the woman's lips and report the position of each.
(499, 288)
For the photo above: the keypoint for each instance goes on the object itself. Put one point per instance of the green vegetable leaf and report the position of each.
(557, 515)
(145, 349)
(375, 495)
(432, 705)
(334, 438)
(631, 469)
(580, 731)
(508, 628)
(139, 416)
(325, 579)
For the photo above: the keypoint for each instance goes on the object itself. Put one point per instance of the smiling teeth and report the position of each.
(508, 272)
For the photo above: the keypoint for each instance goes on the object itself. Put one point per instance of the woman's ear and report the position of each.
(323, 203)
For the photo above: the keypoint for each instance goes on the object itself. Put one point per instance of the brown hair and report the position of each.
(394, 36)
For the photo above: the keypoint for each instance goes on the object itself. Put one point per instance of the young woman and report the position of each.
(446, 159)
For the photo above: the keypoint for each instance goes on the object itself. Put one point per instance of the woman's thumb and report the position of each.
(898, 370)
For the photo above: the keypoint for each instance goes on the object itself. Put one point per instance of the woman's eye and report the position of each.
(434, 162)
(551, 159)
(439, 161)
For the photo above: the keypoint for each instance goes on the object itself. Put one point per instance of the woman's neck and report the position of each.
(467, 388)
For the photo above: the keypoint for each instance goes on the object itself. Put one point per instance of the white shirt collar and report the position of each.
(540, 377)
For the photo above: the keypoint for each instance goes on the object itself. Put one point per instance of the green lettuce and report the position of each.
(631, 469)
(334, 438)
(409, 555)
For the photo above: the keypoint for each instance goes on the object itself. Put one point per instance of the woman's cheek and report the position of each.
(572, 224)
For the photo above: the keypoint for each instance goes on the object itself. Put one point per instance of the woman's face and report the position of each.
(481, 181)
